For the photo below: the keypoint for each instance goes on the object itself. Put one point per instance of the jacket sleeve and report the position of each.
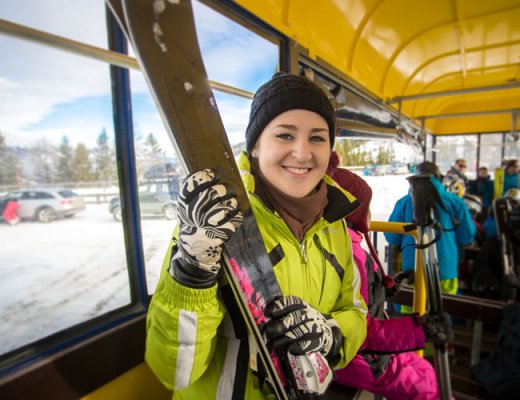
(181, 329)
(351, 314)
(395, 335)
(465, 231)
(398, 215)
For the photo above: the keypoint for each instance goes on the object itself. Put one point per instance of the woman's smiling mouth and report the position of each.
(297, 171)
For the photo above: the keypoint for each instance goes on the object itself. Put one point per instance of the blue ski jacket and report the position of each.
(458, 229)
(484, 188)
(510, 181)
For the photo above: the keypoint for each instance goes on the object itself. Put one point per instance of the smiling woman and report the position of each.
(408, 82)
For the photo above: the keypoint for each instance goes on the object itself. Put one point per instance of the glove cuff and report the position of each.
(334, 355)
(189, 274)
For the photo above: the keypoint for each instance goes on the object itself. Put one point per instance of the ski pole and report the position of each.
(426, 200)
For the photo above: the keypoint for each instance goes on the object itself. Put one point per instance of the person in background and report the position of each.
(455, 179)
(458, 229)
(10, 212)
(386, 364)
(511, 176)
(195, 344)
(483, 187)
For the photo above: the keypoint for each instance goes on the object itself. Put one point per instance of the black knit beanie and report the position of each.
(282, 93)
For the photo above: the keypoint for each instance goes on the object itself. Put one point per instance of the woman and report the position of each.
(193, 345)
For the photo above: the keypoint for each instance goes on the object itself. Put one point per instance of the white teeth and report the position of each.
(298, 171)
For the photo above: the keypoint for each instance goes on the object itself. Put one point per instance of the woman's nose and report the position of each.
(302, 150)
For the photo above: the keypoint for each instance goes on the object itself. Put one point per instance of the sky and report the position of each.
(47, 92)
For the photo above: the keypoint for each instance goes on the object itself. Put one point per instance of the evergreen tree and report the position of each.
(350, 152)
(104, 159)
(82, 164)
(385, 155)
(153, 153)
(9, 166)
(64, 164)
(43, 161)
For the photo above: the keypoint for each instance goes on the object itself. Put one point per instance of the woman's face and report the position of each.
(293, 151)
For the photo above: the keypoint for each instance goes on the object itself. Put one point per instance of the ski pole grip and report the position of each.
(422, 199)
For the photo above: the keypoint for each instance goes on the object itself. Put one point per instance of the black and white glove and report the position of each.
(437, 328)
(208, 215)
(297, 327)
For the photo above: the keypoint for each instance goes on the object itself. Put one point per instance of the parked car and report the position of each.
(375, 170)
(397, 168)
(156, 198)
(45, 204)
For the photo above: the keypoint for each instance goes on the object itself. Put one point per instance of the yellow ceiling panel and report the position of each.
(401, 48)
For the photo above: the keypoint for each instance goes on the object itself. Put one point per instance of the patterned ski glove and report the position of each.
(437, 328)
(297, 327)
(208, 215)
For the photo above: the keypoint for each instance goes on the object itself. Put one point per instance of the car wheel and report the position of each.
(170, 211)
(46, 214)
(116, 213)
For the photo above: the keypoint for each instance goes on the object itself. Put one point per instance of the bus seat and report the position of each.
(136, 384)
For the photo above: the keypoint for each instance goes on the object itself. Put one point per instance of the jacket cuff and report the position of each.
(189, 274)
(174, 292)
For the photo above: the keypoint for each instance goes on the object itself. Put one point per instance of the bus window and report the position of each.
(384, 165)
(512, 145)
(491, 151)
(450, 148)
(65, 262)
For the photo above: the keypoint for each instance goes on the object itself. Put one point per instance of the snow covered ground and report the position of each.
(56, 275)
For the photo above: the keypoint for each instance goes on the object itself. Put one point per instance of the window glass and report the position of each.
(82, 21)
(429, 148)
(451, 148)
(67, 193)
(491, 151)
(512, 146)
(233, 56)
(65, 262)
(384, 165)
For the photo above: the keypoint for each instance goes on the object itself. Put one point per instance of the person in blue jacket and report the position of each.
(458, 229)
(511, 176)
(483, 187)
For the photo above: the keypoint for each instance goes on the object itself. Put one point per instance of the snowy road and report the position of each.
(59, 274)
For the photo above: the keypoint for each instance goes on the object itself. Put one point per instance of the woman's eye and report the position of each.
(318, 139)
(284, 136)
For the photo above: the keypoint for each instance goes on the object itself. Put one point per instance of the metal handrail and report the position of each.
(419, 299)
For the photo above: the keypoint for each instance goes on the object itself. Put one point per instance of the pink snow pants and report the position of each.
(407, 376)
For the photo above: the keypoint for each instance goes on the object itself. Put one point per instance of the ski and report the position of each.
(163, 36)
(425, 200)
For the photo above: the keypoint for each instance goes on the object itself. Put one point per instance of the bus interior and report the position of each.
(435, 81)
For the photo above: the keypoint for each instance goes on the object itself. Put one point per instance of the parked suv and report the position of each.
(45, 204)
(156, 198)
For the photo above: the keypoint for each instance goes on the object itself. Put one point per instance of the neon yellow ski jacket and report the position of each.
(192, 343)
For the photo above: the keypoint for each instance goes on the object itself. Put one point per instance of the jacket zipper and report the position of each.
(304, 252)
